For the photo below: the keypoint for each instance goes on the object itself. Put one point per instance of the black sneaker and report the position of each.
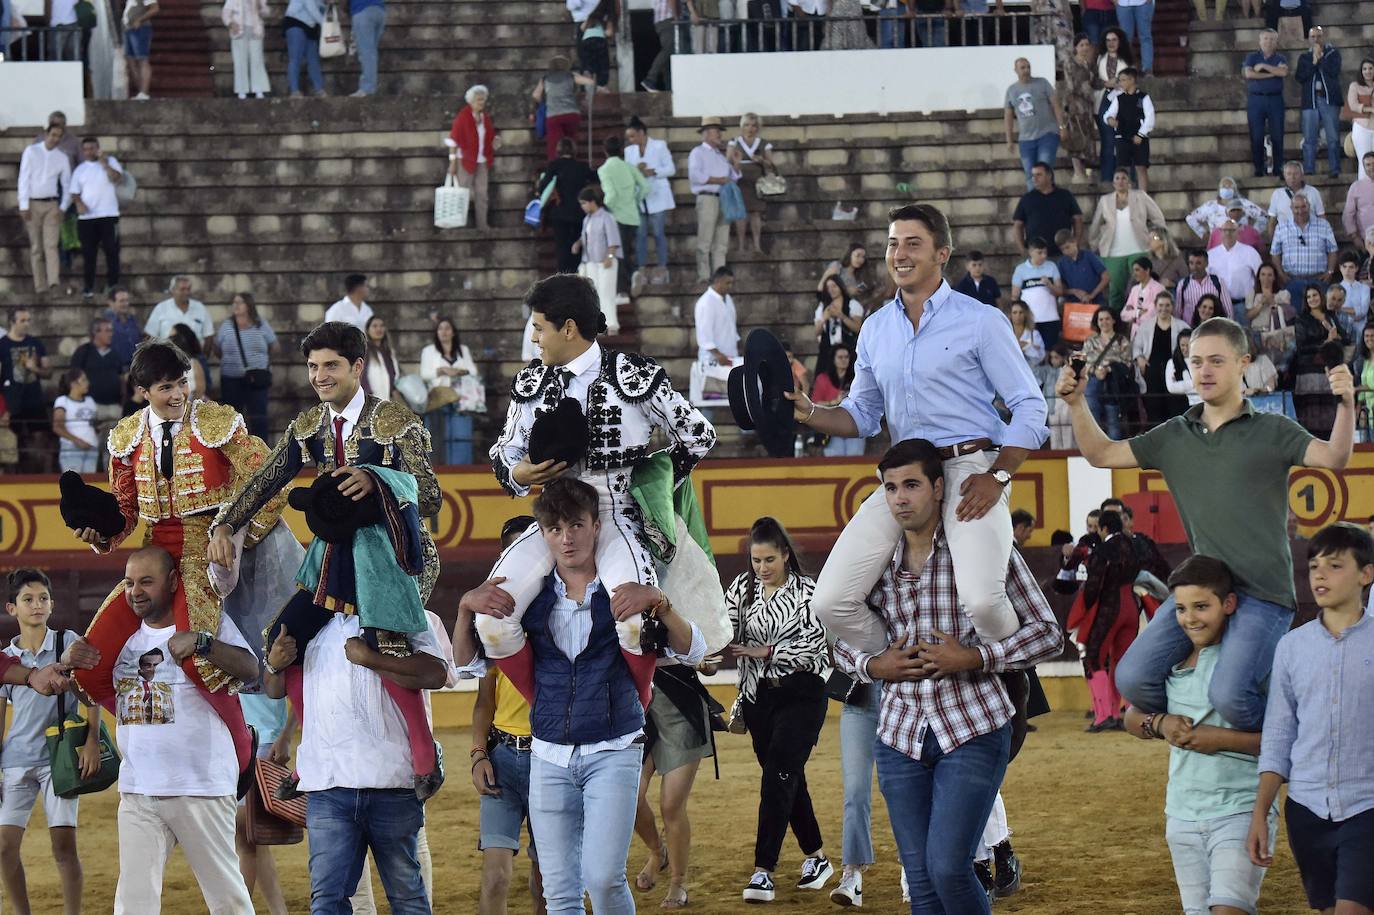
(983, 869)
(815, 872)
(1008, 879)
(759, 889)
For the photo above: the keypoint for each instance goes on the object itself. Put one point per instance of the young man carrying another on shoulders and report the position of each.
(1239, 516)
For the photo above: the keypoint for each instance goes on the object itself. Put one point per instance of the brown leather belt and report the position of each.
(968, 447)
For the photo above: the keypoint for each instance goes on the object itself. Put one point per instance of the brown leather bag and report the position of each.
(272, 821)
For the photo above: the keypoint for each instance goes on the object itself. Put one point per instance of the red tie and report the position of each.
(338, 441)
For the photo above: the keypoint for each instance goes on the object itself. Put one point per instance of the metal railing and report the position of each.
(768, 32)
(43, 43)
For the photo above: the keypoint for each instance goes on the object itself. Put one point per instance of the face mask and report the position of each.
(1227, 193)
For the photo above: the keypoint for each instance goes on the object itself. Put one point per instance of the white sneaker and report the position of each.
(851, 888)
(142, 97)
(622, 299)
(815, 872)
(760, 888)
(906, 889)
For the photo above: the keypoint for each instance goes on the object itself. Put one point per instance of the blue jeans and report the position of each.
(1138, 19)
(502, 815)
(858, 740)
(584, 816)
(1239, 684)
(82, 460)
(1106, 412)
(932, 33)
(839, 446)
(368, 25)
(1264, 113)
(938, 807)
(301, 48)
(1096, 22)
(344, 824)
(1041, 149)
(891, 28)
(1323, 118)
(652, 222)
(1106, 136)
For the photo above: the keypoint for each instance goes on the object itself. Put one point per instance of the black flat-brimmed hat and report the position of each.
(561, 434)
(756, 393)
(332, 516)
(83, 505)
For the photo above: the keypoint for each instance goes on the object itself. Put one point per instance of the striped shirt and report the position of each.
(784, 621)
(1303, 250)
(960, 707)
(256, 340)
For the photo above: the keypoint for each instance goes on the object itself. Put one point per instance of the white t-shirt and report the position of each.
(836, 328)
(1124, 242)
(173, 742)
(63, 12)
(353, 735)
(1281, 203)
(344, 310)
(79, 417)
(90, 181)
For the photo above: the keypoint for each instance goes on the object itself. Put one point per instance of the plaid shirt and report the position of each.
(960, 707)
(1303, 251)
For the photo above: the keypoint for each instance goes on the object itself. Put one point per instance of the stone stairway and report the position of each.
(181, 56)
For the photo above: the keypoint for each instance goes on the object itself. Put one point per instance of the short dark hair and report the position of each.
(13, 314)
(565, 499)
(514, 527)
(567, 297)
(1342, 537)
(721, 272)
(1127, 512)
(354, 280)
(113, 292)
(565, 147)
(1047, 166)
(1038, 243)
(914, 451)
(1061, 537)
(592, 194)
(19, 578)
(89, 139)
(928, 216)
(613, 145)
(1111, 500)
(634, 123)
(1198, 252)
(1348, 256)
(340, 336)
(1021, 516)
(156, 361)
(1111, 522)
(68, 379)
(1132, 72)
(1204, 572)
(1144, 263)
(974, 255)
(96, 324)
(186, 340)
(1095, 513)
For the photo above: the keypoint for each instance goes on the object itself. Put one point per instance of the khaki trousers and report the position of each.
(477, 183)
(150, 827)
(713, 236)
(44, 226)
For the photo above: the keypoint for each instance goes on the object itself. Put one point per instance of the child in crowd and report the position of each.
(24, 767)
(1213, 776)
(1132, 114)
(1356, 310)
(1036, 282)
(977, 283)
(599, 246)
(1317, 734)
(73, 422)
(593, 55)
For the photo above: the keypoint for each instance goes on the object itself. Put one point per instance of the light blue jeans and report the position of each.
(584, 816)
(1323, 118)
(368, 25)
(82, 460)
(1106, 412)
(1140, 19)
(891, 28)
(344, 824)
(839, 446)
(932, 32)
(652, 222)
(300, 48)
(858, 740)
(1041, 149)
(1211, 865)
(1239, 687)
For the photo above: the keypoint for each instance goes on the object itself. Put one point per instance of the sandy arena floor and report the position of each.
(1086, 811)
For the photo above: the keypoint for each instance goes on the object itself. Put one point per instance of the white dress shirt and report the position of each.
(716, 328)
(354, 735)
(350, 414)
(658, 157)
(344, 310)
(155, 424)
(1236, 267)
(93, 184)
(44, 173)
(706, 162)
(167, 315)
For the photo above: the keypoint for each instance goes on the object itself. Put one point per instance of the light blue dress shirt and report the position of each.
(938, 383)
(1317, 725)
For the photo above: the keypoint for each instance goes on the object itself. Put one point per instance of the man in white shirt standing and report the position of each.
(1235, 264)
(45, 178)
(655, 161)
(708, 170)
(179, 308)
(354, 760)
(1294, 184)
(352, 308)
(179, 775)
(717, 333)
(586, 714)
(97, 210)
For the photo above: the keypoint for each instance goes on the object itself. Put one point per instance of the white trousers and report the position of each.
(150, 827)
(996, 831)
(365, 903)
(980, 549)
(621, 557)
(603, 278)
(250, 74)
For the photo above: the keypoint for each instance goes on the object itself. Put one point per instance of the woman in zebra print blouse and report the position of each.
(782, 655)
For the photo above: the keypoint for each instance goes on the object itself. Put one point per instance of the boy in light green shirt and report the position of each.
(625, 188)
(1213, 768)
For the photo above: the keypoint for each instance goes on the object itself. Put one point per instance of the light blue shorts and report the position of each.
(1211, 864)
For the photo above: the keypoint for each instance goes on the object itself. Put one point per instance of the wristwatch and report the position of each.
(1001, 476)
(203, 642)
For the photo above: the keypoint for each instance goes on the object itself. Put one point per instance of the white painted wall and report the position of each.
(33, 90)
(1088, 487)
(789, 83)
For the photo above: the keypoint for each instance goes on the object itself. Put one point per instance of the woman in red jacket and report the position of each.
(473, 143)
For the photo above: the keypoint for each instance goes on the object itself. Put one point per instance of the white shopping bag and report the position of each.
(451, 205)
(331, 34)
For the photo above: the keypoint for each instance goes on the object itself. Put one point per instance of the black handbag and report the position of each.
(841, 687)
(257, 379)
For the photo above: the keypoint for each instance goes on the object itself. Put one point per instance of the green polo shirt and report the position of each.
(1231, 488)
(624, 187)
